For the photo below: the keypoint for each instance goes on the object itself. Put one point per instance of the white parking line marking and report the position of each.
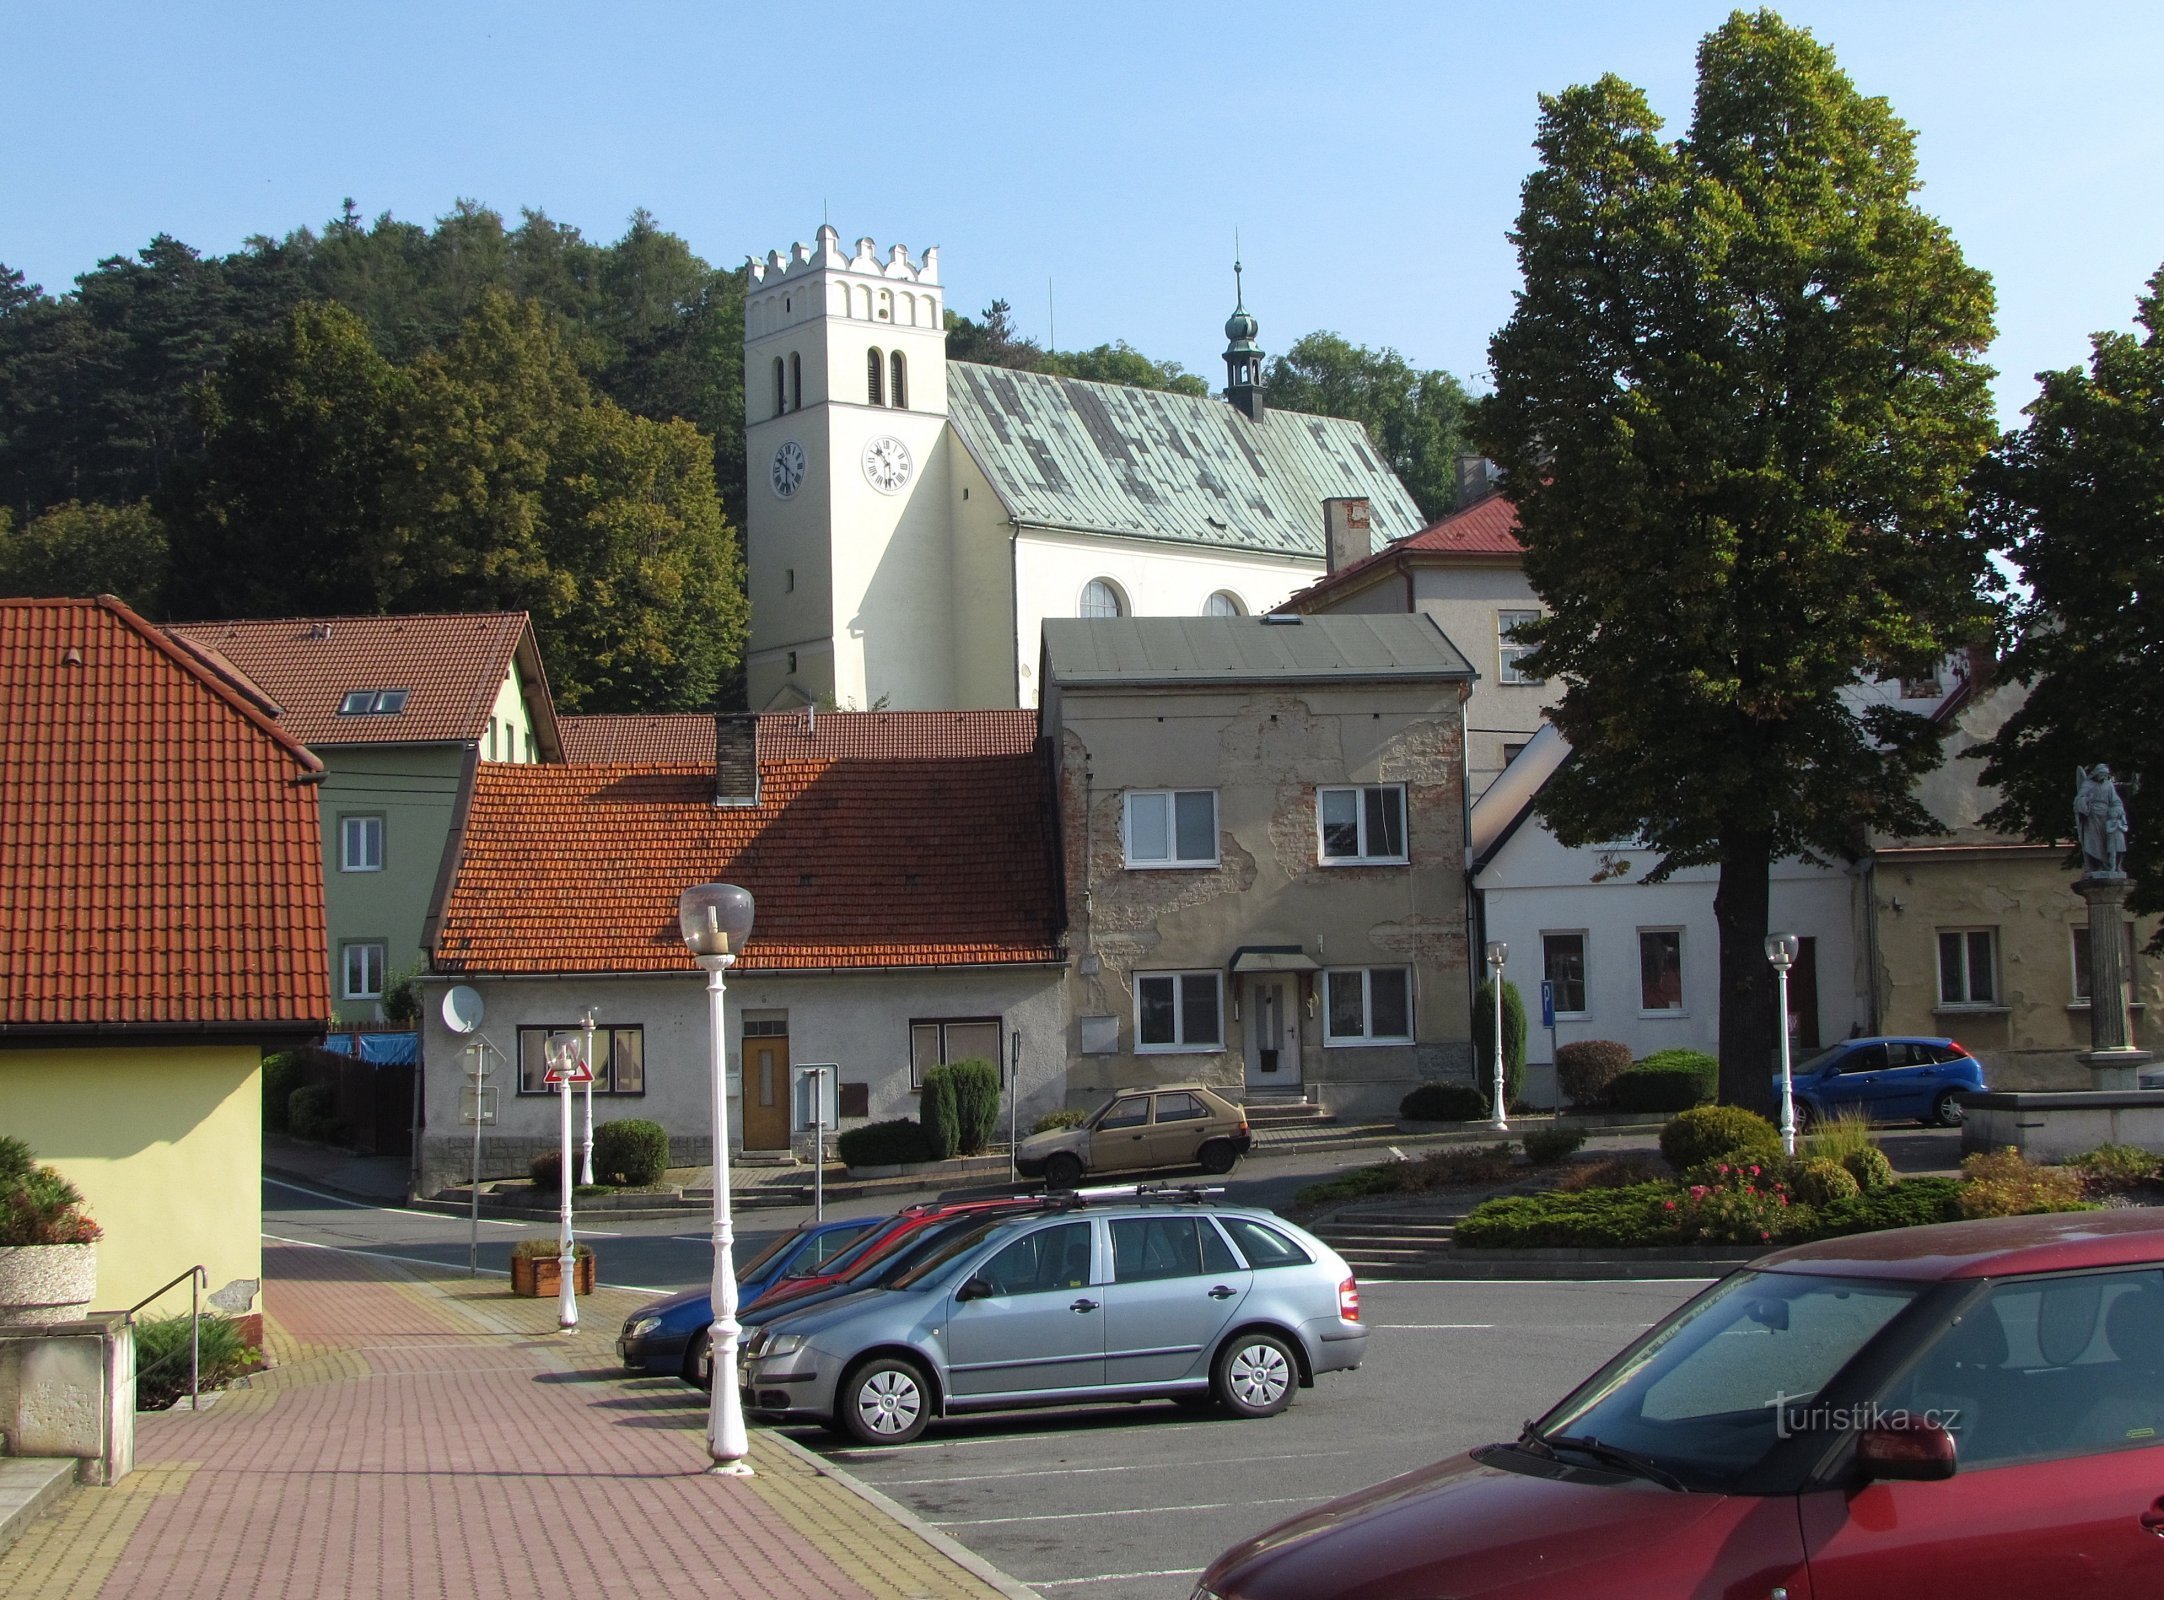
(1136, 1466)
(1135, 1511)
(1117, 1577)
(441, 1266)
(396, 1211)
(1430, 1326)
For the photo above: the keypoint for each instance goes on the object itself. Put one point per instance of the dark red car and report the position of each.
(1969, 1410)
(881, 1241)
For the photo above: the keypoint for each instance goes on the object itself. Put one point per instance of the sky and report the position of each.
(1090, 163)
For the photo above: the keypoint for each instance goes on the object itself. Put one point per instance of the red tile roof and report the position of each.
(1486, 528)
(450, 663)
(826, 735)
(159, 836)
(854, 861)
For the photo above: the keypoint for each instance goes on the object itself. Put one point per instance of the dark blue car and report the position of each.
(658, 1338)
(1911, 1078)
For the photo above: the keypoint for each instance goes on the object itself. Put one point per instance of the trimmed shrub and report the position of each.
(1053, 1120)
(1667, 1080)
(1513, 1040)
(1585, 1067)
(311, 1112)
(1911, 1203)
(1444, 1102)
(546, 1170)
(1870, 1168)
(2005, 1183)
(1595, 1219)
(973, 1085)
(1679, 1059)
(1708, 1133)
(1819, 1181)
(885, 1144)
(161, 1357)
(1544, 1147)
(939, 1115)
(631, 1151)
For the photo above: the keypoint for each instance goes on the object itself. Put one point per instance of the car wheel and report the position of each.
(1062, 1171)
(698, 1371)
(1804, 1116)
(1947, 1110)
(885, 1401)
(1218, 1157)
(1254, 1375)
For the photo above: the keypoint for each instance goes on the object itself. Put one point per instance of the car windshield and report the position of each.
(1711, 1392)
(875, 1239)
(1819, 1062)
(758, 1263)
(945, 1250)
(820, 1255)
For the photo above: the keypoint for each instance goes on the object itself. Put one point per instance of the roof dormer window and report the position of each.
(372, 702)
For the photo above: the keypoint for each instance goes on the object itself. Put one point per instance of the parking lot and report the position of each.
(1129, 1502)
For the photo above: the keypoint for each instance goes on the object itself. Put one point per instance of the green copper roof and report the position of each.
(1100, 458)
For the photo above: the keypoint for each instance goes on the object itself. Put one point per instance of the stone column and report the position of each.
(2111, 1056)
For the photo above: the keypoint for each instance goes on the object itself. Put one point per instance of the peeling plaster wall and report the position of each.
(1265, 752)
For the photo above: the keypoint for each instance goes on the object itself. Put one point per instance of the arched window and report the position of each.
(796, 381)
(898, 390)
(781, 389)
(873, 364)
(1101, 598)
(1224, 603)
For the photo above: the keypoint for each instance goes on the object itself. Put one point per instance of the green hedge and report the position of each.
(1513, 1039)
(1709, 1133)
(1544, 1147)
(1444, 1102)
(1667, 1080)
(972, 1086)
(631, 1151)
(940, 1114)
(1585, 1067)
(1656, 1214)
(885, 1144)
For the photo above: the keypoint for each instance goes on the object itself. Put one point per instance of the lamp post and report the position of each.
(563, 1062)
(1781, 950)
(716, 920)
(1498, 953)
(586, 1165)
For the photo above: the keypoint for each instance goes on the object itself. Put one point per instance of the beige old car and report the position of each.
(1176, 1125)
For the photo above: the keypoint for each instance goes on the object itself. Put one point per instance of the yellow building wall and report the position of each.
(166, 1145)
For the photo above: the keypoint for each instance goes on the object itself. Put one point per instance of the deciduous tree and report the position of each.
(1417, 419)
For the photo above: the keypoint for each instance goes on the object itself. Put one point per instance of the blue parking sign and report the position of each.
(1547, 1003)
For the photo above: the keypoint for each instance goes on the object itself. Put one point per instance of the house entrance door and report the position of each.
(1272, 1015)
(765, 1101)
(1803, 995)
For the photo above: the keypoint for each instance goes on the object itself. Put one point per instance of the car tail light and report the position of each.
(1960, 1048)
(1243, 1124)
(1348, 1300)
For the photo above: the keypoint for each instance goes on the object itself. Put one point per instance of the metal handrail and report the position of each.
(198, 1279)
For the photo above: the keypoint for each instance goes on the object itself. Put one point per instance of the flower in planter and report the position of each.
(37, 1205)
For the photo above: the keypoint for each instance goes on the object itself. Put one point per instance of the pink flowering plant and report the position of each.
(1738, 1202)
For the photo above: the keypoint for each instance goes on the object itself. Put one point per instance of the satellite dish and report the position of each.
(462, 1008)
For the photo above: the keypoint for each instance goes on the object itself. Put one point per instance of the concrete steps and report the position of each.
(29, 1487)
(1273, 1114)
(1384, 1246)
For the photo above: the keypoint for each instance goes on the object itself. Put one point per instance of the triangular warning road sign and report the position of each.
(577, 1072)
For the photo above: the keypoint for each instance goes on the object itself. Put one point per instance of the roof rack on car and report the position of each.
(1133, 1193)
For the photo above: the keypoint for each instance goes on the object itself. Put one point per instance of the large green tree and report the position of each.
(1417, 419)
(2077, 500)
(1738, 402)
(77, 549)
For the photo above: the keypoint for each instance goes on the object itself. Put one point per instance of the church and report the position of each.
(912, 521)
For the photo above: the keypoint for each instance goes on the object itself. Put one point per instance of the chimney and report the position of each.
(1345, 536)
(1478, 477)
(736, 759)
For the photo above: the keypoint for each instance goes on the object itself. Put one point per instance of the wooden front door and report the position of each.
(766, 1089)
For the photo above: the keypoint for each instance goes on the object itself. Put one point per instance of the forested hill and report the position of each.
(388, 416)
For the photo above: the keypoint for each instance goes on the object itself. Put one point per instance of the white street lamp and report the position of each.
(563, 1054)
(586, 1166)
(1781, 950)
(716, 920)
(1498, 953)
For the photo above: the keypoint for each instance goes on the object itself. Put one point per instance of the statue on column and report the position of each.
(2100, 821)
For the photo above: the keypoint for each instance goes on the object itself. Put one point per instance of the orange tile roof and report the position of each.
(925, 861)
(450, 663)
(1487, 527)
(826, 735)
(159, 837)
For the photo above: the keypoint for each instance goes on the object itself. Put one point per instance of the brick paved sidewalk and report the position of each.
(431, 1436)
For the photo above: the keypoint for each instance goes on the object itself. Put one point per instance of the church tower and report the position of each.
(1243, 357)
(846, 548)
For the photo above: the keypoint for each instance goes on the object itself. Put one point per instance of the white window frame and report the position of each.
(1682, 1007)
(368, 952)
(1181, 1044)
(1508, 652)
(1585, 970)
(355, 831)
(1360, 815)
(1120, 606)
(1368, 1036)
(1968, 983)
(1232, 606)
(1171, 799)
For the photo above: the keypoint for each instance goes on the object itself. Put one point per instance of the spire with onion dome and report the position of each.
(1243, 357)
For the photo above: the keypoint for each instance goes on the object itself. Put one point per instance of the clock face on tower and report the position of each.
(886, 464)
(787, 470)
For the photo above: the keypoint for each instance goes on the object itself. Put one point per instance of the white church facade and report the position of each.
(912, 522)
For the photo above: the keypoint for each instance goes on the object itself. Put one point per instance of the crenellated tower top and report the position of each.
(825, 255)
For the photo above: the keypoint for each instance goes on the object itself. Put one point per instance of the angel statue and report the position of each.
(2100, 820)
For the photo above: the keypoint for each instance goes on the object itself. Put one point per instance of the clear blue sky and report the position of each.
(1100, 154)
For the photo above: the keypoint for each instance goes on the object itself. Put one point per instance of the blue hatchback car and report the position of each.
(658, 1338)
(1912, 1078)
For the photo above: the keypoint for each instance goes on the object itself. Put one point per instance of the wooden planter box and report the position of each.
(539, 1276)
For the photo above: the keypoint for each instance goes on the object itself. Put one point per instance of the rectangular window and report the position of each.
(1360, 825)
(935, 1041)
(1368, 1005)
(1562, 963)
(372, 702)
(619, 1058)
(2081, 962)
(1968, 966)
(1660, 969)
(1178, 1011)
(360, 844)
(362, 970)
(1509, 652)
(1172, 828)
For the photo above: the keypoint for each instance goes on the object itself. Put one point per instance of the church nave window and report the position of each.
(874, 365)
(1101, 598)
(796, 381)
(1224, 603)
(898, 389)
(781, 389)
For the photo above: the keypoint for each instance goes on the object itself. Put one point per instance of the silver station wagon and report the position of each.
(1120, 1294)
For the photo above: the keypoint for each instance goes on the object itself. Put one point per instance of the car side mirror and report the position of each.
(975, 1289)
(1904, 1448)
